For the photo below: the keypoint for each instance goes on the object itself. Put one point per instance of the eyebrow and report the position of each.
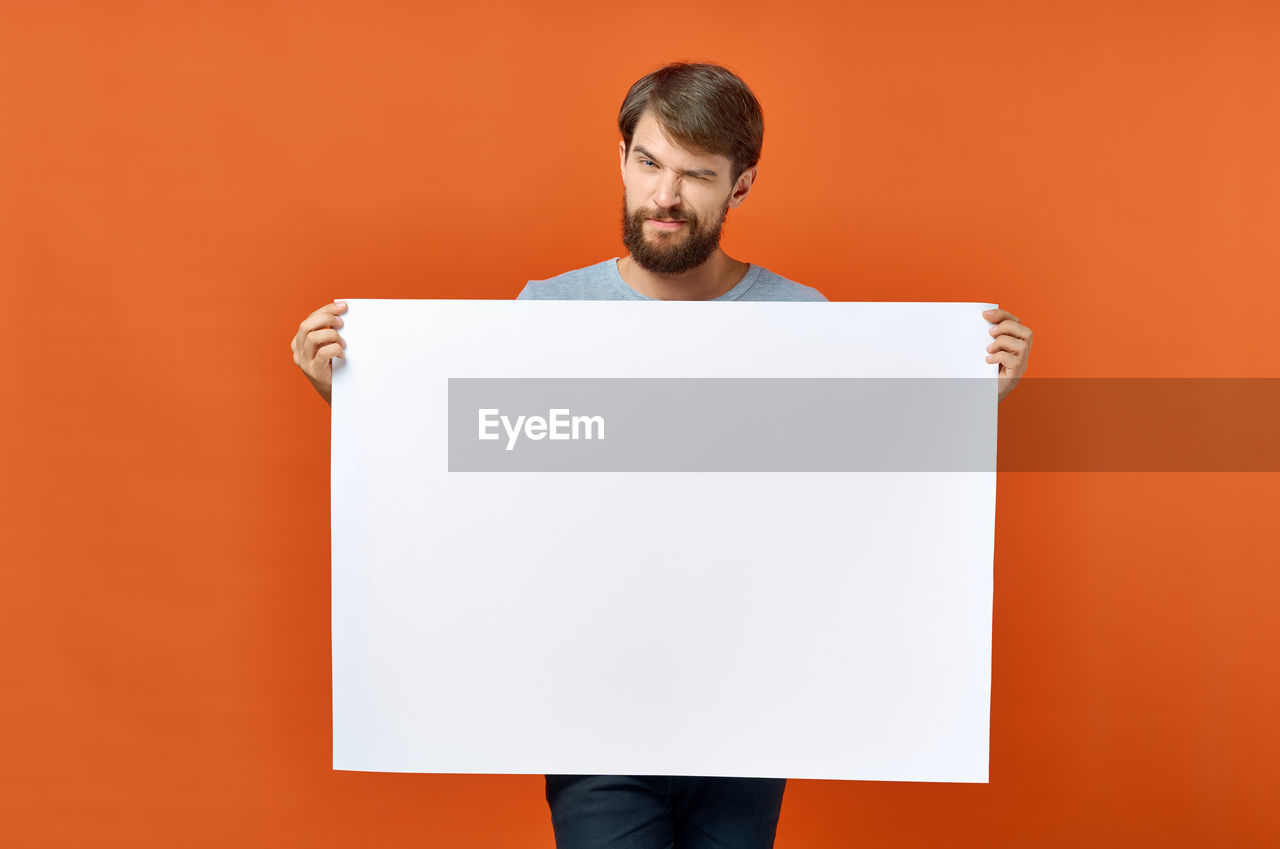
(695, 172)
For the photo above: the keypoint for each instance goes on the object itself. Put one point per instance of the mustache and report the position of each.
(665, 214)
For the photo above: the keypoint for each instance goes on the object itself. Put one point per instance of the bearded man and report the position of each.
(691, 140)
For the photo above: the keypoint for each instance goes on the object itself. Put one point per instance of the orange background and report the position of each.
(181, 183)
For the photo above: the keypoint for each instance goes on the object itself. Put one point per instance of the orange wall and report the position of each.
(180, 183)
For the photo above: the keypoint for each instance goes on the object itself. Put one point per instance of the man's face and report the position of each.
(674, 200)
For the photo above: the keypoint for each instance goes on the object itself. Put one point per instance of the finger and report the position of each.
(1007, 343)
(325, 316)
(324, 336)
(335, 308)
(328, 353)
(1010, 328)
(317, 339)
(997, 315)
(1006, 359)
(317, 320)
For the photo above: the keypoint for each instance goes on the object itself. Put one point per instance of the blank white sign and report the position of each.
(789, 624)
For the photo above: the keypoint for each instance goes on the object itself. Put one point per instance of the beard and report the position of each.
(671, 253)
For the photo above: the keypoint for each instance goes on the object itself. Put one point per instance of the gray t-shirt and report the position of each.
(602, 282)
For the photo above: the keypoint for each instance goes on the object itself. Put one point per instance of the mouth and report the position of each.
(665, 223)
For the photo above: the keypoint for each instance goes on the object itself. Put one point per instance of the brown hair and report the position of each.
(703, 107)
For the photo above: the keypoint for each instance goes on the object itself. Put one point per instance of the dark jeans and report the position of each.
(663, 812)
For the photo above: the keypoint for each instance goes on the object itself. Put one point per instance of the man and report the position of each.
(691, 140)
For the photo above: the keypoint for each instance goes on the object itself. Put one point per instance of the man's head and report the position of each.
(691, 138)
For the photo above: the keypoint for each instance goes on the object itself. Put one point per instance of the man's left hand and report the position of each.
(1011, 348)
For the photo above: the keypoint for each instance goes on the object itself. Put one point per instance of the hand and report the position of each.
(316, 344)
(1011, 348)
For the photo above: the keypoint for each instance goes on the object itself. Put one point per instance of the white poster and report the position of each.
(673, 538)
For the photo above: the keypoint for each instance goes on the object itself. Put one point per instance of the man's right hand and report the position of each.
(317, 343)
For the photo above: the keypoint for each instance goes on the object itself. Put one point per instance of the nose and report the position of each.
(668, 191)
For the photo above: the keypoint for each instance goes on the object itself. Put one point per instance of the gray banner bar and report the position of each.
(721, 425)
(1139, 424)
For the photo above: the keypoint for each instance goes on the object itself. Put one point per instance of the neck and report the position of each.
(713, 278)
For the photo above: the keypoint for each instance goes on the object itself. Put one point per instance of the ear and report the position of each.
(622, 160)
(742, 188)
